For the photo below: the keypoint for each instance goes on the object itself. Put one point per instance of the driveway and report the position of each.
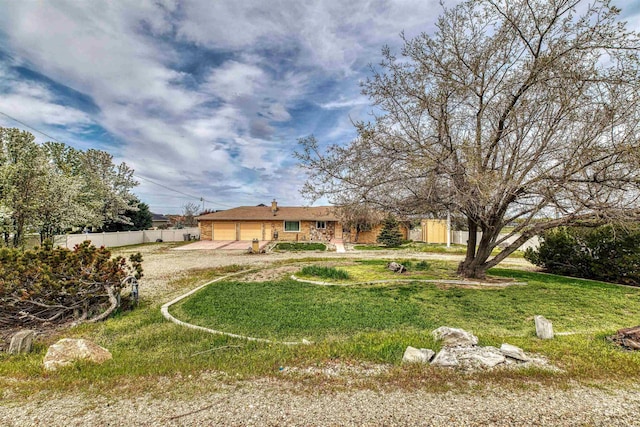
(220, 244)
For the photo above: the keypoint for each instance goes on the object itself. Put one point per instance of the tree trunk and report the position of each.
(475, 265)
(464, 267)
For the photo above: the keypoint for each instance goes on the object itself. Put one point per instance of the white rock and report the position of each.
(453, 337)
(417, 355)
(446, 357)
(487, 357)
(544, 328)
(514, 352)
(68, 350)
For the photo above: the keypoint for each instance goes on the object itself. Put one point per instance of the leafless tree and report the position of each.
(190, 210)
(359, 217)
(510, 110)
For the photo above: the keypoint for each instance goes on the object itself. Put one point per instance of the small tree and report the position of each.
(390, 235)
(57, 285)
(190, 211)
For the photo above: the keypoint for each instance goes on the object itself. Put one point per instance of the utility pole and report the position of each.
(202, 200)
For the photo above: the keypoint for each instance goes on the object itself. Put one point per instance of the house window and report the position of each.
(321, 225)
(293, 226)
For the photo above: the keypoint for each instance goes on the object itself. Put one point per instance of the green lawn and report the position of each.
(289, 310)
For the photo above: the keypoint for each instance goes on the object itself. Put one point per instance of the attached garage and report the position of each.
(224, 231)
(250, 230)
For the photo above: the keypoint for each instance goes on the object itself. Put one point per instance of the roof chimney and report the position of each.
(274, 207)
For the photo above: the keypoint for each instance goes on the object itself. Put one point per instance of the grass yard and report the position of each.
(289, 310)
(352, 325)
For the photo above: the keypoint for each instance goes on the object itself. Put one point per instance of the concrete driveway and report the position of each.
(220, 245)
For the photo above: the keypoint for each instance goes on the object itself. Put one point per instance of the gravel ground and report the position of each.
(279, 402)
(274, 403)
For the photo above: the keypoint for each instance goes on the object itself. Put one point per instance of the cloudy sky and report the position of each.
(205, 97)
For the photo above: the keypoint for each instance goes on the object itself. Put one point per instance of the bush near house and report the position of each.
(296, 246)
(390, 236)
(610, 253)
(56, 285)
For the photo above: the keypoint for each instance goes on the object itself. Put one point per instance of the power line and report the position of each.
(31, 127)
(182, 192)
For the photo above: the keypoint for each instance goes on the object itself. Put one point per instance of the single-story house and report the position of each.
(271, 223)
(284, 223)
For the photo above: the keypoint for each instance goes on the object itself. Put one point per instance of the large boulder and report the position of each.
(417, 355)
(22, 341)
(67, 351)
(454, 337)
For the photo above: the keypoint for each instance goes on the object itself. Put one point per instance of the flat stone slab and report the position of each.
(514, 352)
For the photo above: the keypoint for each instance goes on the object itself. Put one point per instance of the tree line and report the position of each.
(51, 188)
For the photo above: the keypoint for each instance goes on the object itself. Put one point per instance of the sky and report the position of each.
(204, 99)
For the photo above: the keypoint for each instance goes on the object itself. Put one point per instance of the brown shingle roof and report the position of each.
(264, 213)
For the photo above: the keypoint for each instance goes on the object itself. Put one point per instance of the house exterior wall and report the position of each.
(271, 229)
(205, 230)
(370, 237)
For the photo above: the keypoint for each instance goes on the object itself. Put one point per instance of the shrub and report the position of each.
(610, 253)
(297, 246)
(324, 272)
(390, 235)
(55, 285)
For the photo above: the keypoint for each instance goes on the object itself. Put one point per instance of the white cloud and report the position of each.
(221, 121)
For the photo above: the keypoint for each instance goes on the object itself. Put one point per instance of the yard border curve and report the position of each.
(441, 281)
(165, 313)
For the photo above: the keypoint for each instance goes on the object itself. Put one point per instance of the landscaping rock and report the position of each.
(68, 350)
(445, 357)
(470, 357)
(21, 341)
(398, 268)
(417, 355)
(484, 357)
(453, 337)
(514, 352)
(544, 328)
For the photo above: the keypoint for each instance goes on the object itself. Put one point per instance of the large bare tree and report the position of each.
(510, 110)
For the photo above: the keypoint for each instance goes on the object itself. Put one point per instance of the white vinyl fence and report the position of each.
(461, 237)
(124, 238)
